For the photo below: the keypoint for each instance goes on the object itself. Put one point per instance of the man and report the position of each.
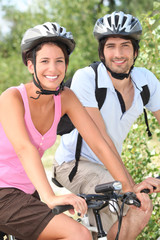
(118, 35)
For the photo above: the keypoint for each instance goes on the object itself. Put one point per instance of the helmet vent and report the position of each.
(101, 20)
(124, 20)
(54, 26)
(109, 21)
(116, 21)
(46, 27)
(133, 22)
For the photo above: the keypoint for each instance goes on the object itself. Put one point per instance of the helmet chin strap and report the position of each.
(37, 82)
(119, 76)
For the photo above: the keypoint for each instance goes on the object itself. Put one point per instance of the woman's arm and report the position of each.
(12, 120)
(93, 137)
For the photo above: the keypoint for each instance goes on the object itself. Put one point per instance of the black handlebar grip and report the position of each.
(61, 208)
(146, 190)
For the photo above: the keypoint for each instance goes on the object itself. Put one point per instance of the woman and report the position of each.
(28, 123)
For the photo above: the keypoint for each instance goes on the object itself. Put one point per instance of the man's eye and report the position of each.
(109, 46)
(44, 61)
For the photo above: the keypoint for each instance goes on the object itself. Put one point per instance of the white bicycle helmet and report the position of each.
(117, 23)
(43, 33)
(48, 31)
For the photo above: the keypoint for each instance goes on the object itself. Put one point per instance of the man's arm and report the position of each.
(157, 115)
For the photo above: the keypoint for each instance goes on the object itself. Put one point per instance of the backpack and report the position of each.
(65, 125)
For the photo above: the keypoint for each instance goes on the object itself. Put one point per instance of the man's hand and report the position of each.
(152, 184)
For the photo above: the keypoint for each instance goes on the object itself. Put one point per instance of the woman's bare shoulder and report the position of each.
(10, 93)
(9, 97)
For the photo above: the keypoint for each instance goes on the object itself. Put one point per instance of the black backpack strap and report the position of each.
(77, 157)
(100, 94)
(146, 121)
(145, 95)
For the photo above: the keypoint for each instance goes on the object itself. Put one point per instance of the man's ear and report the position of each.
(136, 54)
(30, 66)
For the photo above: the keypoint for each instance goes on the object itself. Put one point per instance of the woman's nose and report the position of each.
(52, 66)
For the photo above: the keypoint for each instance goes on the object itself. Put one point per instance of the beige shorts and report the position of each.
(88, 175)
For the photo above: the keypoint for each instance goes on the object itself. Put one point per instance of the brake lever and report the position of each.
(131, 199)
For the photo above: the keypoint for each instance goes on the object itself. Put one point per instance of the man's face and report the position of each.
(119, 54)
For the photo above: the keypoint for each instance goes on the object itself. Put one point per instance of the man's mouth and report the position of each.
(119, 61)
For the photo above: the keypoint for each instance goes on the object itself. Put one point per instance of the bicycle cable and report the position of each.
(120, 219)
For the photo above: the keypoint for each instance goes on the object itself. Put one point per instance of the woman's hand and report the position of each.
(78, 203)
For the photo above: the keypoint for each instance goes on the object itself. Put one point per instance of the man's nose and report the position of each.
(118, 52)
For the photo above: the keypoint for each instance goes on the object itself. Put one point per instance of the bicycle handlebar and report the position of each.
(107, 192)
(97, 201)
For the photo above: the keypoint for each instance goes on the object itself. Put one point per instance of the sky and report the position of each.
(20, 4)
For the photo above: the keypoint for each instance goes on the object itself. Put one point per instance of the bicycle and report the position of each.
(107, 194)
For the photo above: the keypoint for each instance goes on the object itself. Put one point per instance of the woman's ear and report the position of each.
(66, 68)
(30, 66)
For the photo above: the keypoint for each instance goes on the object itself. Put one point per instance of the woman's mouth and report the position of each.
(52, 78)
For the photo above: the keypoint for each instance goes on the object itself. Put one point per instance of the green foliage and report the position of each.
(150, 43)
(140, 158)
(136, 7)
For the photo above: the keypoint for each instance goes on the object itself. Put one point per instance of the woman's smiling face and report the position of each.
(50, 66)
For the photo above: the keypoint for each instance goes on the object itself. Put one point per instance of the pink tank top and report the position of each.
(12, 173)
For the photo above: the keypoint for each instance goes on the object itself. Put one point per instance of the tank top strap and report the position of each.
(57, 100)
